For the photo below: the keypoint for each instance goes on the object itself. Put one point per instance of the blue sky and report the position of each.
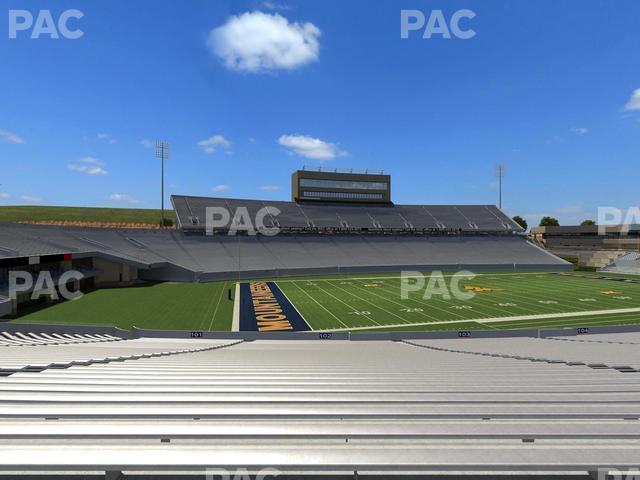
(248, 91)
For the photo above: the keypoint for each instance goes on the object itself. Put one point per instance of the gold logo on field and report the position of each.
(477, 289)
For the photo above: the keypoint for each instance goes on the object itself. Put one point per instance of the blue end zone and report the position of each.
(276, 313)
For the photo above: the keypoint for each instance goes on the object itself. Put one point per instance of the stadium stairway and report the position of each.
(55, 356)
(27, 338)
(314, 407)
(622, 357)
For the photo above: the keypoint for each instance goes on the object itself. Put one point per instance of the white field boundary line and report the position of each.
(322, 306)
(294, 306)
(499, 319)
(344, 278)
(235, 323)
(215, 312)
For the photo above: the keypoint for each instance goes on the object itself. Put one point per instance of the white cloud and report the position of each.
(146, 143)
(91, 166)
(91, 160)
(4, 195)
(580, 130)
(106, 137)
(269, 188)
(274, 6)
(30, 199)
(256, 41)
(634, 101)
(89, 170)
(310, 147)
(122, 197)
(220, 188)
(10, 137)
(211, 144)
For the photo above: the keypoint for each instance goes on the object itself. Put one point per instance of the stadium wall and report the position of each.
(299, 272)
(385, 336)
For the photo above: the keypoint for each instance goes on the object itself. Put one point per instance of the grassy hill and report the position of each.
(82, 214)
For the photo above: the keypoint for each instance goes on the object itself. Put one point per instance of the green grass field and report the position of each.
(368, 302)
(82, 214)
(166, 306)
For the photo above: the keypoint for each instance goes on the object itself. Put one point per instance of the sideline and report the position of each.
(494, 319)
(235, 323)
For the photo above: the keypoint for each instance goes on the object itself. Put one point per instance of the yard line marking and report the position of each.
(202, 324)
(370, 303)
(349, 306)
(436, 303)
(501, 319)
(322, 306)
(217, 305)
(386, 299)
(293, 305)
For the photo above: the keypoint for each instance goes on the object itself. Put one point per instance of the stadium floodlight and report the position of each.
(500, 173)
(162, 152)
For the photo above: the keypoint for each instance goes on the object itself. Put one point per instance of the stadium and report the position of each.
(196, 349)
(334, 263)
(310, 240)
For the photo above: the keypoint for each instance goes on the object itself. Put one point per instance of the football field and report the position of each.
(514, 300)
(369, 302)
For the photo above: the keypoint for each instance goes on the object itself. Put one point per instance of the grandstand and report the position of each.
(628, 263)
(313, 238)
(340, 402)
(340, 229)
(539, 401)
(589, 246)
(335, 217)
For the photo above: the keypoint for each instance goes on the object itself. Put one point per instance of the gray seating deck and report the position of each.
(191, 212)
(419, 217)
(171, 255)
(313, 406)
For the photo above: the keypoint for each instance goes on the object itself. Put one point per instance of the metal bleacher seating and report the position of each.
(191, 212)
(519, 405)
(628, 263)
(171, 255)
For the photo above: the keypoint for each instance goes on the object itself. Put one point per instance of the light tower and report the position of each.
(500, 173)
(162, 152)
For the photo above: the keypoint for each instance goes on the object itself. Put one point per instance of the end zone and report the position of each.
(265, 308)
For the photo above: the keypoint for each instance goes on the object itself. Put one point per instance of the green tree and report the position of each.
(549, 222)
(587, 222)
(521, 221)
